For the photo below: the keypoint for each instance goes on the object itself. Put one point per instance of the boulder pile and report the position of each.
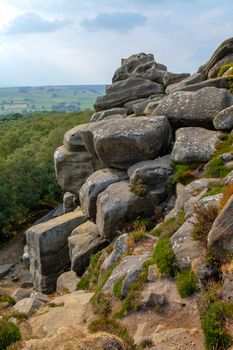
(117, 167)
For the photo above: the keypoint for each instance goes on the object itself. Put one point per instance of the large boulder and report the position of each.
(95, 184)
(194, 145)
(84, 242)
(28, 306)
(127, 90)
(225, 49)
(152, 174)
(128, 269)
(224, 119)
(73, 139)
(193, 79)
(183, 108)
(48, 249)
(72, 168)
(67, 282)
(116, 205)
(120, 145)
(220, 238)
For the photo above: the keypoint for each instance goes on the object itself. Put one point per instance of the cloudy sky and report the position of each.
(46, 42)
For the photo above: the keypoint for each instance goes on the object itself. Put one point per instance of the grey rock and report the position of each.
(124, 91)
(5, 269)
(151, 106)
(48, 249)
(84, 242)
(194, 145)
(40, 297)
(193, 79)
(150, 299)
(116, 205)
(28, 306)
(172, 78)
(225, 49)
(70, 202)
(220, 238)
(207, 273)
(220, 83)
(227, 291)
(194, 108)
(67, 282)
(213, 72)
(224, 119)
(152, 174)
(95, 184)
(185, 248)
(226, 157)
(135, 139)
(138, 108)
(72, 168)
(120, 248)
(73, 139)
(26, 257)
(129, 269)
(21, 293)
(129, 106)
(98, 116)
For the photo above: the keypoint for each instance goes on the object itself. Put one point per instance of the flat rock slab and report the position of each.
(194, 145)
(127, 90)
(120, 145)
(5, 269)
(116, 205)
(48, 249)
(184, 108)
(94, 185)
(129, 268)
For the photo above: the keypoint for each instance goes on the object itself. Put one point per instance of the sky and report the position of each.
(57, 42)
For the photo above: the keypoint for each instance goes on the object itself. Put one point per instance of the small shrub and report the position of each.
(184, 173)
(169, 226)
(212, 322)
(225, 68)
(205, 217)
(140, 224)
(226, 196)
(113, 327)
(164, 257)
(117, 287)
(214, 188)
(7, 299)
(9, 334)
(139, 188)
(137, 236)
(101, 304)
(216, 168)
(186, 282)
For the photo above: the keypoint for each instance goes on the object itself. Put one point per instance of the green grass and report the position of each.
(7, 299)
(169, 226)
(184, 174)
(117, 287)
(216, 168)
(212, 321)
(9, 334)
(164, 257)
(91, 276)
(186, 282)
(113, 327)
(224, 68)
(214, 188)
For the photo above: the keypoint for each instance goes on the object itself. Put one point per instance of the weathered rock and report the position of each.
(225, 49)
(227, 291)
(21, 293)
(28, 306)
(185, 248)
(70, 202)
(116, 205)
(129, 268)
(133, 140)
(138, 108)
(194, 108)
(207, 273)
(127, 90)
(152, 174)
(211, 202)
(73, 139)
(220, 238)
(40, 296)
(98, 116)
(193, 79)
(213, 72)
(5, 269)
(84, 242)
(94, 185)
(120, 248)
(224, 119)
(67, 282)
(152, 105)
(172, 78)
(129, 106)
(72, 168)
(194, 145)
(220, 83)
(48, 249)
(150, 299)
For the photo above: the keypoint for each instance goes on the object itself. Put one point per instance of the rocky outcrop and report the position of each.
(194, 108)
(48, 249)
(94, 185)
(194, 145)
(224, 119)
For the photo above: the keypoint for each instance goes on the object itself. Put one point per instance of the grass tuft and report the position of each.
(186, 282)
(169, 226)
(164, 257)
(117, 287)
(205, 217)
(9, 334)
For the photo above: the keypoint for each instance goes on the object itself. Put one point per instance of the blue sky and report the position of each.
(46, 42)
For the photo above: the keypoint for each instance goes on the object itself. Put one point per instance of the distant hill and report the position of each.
(68, 98)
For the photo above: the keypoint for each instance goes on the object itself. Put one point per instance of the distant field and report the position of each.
(66, 98)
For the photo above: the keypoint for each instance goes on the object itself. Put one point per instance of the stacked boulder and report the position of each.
(117, 166)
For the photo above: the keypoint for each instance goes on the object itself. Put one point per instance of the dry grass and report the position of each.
(226, 196)
(205, 217)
